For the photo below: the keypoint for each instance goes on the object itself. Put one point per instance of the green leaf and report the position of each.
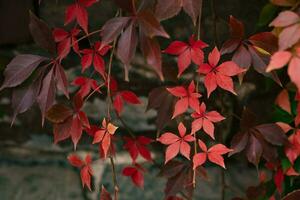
(280, 115)
(267, 15)
(285, 164)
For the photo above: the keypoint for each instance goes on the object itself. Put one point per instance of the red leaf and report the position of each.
(278, 180)
(70, 13)
(76, 130)
(187, 53)
(285, 18)
(199, 159)
(294, 71)
(86, 177)
(176, 144)
(204, 119)
(105, 195)
(188, 98)
(130, 97)
(86, 84)
(219, 75)
(78, 11)
(283, 101)
(118, 103)
(176, 48)
(279, 60)
(75, 161)
(135, 174)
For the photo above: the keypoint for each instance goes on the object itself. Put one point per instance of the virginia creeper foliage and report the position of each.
(204, 71)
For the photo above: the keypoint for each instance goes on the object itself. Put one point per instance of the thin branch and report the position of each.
(197, 86)
(116, 186)
(95, 90)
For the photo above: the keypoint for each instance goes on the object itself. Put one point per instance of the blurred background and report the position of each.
(33, 168)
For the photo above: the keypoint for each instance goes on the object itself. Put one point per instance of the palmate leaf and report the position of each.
(148, 27)
(179, 177)
(167, 9)
(257, 140)
(254, 51)
(41, 34)
(163, 102)
(20, 68)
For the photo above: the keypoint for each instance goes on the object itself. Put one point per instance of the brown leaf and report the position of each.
(58, 113)
(179, 175)
(266, 41)
(24, 98)
(248, 120)
(163, 102)
(167, 9)
(61, 80)
(260, 62)
(236, 28)
(20, 68)
(192, 8)
(295, 195)
(46, 96)
(62, 131)
(151, 50)
(41, 34)
(272, 133)
(230, 46)
(112, 28)
(242, 57)
(127, 47)
(125, 5)
(238, 143)
(150, 25)
(254, 150)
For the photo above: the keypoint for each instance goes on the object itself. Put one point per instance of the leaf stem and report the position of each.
(116, 186)
(197, 85)
(95, 90)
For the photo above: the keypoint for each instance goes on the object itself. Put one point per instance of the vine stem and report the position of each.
(87, 35)
(93, 92)
(108, 100)
(197, 85)
(116, 187)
